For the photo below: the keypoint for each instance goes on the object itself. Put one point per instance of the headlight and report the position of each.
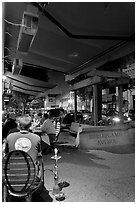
(129, 119)
(116, 119)
(85, 117)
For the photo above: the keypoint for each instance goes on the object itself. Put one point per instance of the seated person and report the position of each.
(9, 125)
(49, 128)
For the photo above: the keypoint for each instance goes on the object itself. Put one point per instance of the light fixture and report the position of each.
(28, 30)
(73, 55)
(17, 66)
(4, 78)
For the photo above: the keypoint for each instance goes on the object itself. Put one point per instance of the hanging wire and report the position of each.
(14, 24)
(6, 61)
(7, 48)
(11, 55)
(13, 51)
(6, 56)
(8, 34)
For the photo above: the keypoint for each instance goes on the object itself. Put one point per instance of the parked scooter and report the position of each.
(111, 117)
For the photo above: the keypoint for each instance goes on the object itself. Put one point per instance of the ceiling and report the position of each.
(72, 38)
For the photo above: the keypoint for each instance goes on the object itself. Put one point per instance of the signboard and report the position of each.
(100, 139)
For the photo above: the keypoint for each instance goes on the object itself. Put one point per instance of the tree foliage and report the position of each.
(20, 99)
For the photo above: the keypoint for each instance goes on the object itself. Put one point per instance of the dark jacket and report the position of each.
(9, 125)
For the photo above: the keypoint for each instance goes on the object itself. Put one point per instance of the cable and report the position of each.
(49, 170)
(6, 56)
(6, 62)
(8, 34)
(10, 50)
(7, 48)
(15, 24)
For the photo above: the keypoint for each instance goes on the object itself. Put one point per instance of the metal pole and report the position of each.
(75, 104)
(95, 104)
(56, 189)
(120, 101)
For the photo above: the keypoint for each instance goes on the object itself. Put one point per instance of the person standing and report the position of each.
(49, 128)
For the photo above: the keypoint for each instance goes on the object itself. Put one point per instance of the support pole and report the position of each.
(75, 105)
(97, 103)
(95, 110)
(120, 100)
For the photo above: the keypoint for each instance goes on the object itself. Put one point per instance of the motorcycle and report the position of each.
(109, 119)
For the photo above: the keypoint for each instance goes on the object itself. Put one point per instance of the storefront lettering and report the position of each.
(107, 142)
(106, 135)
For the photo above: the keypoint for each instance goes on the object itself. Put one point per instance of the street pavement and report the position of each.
(93, 176)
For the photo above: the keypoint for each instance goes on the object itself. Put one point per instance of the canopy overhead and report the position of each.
(70, 38)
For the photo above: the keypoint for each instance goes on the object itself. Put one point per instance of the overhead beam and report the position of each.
(29, 81)
(26, 89)
(119, 52)
(118, 82)
(108, 74)
(97, 79)
(71, 77)
(29, 92)
(86, 82)
(25, 86)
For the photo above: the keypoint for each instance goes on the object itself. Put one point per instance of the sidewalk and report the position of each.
(94, 176)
